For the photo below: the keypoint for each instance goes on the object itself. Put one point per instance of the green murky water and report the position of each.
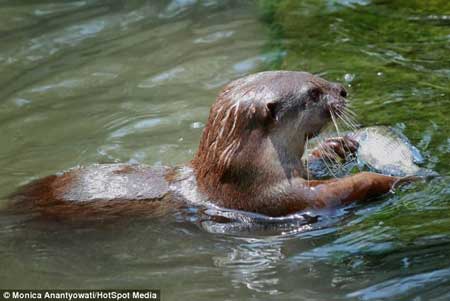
(83, 82)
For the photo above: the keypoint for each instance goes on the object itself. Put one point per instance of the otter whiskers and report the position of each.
(327, 159)
(307, 160)
(342, 117)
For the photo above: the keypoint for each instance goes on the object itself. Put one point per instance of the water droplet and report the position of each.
(349, 77)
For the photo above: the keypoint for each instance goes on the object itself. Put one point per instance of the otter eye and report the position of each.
(314, 94)
(273, 108)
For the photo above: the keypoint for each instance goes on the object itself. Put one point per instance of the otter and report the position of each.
(249, 159)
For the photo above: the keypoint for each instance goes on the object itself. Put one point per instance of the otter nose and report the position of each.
(336, 100)
(343, 92)
(340, 90)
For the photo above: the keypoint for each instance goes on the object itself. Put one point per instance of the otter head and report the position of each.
(300, 103)
(257, 129)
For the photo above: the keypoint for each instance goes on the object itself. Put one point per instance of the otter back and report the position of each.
(96, 188)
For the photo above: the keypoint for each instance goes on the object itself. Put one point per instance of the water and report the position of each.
(85, 82)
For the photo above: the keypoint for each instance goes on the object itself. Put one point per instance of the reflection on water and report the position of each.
(253, 264)
(407, 286)
(93, 81)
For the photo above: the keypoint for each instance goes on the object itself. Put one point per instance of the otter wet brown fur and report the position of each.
(249, 158)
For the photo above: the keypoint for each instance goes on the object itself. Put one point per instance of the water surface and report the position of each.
(85, 82)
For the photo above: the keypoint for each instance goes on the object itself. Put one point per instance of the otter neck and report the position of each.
(285, 156)
(261, 163)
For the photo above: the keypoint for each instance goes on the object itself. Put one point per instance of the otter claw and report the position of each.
(406, 180)
(340, 146)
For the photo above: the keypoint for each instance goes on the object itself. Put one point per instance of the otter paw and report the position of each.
(337, 147)
(406, 180)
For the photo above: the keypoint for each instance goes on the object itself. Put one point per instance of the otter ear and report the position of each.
(272, 110)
